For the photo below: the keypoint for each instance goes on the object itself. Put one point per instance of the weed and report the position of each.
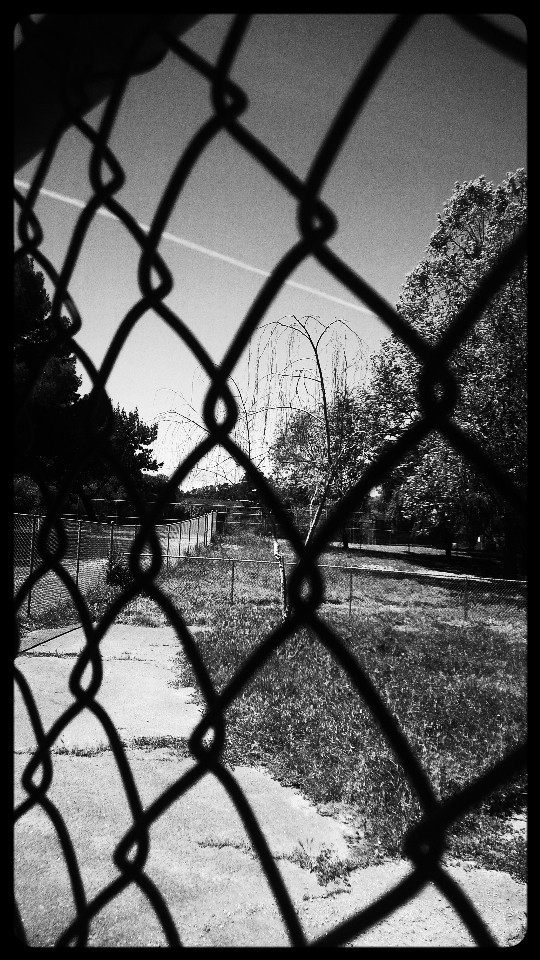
(177, 744)
(118, 572)
(326, 865)
(241, 845)
(51, 653)
(82, 751)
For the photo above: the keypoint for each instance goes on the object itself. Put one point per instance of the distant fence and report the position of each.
(239, 516)
(354, 588)
(90, 546)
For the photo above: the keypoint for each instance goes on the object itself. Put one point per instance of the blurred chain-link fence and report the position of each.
(55, 89)
(91, 547)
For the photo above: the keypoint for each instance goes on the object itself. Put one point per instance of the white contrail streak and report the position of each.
(199, 249)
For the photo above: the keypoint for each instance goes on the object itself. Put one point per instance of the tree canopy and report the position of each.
(52, 434)
(130, 442)
(435, 487)
(45, 382)
(314, 451)
(319, 448)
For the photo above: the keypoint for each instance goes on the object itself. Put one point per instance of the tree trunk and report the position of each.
(513, 548)
(345, 538)
(285, 611)
(448, 545)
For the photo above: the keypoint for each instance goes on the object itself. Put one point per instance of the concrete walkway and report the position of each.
(201, 858)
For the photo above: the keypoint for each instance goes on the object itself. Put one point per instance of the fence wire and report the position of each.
(71, 87)
(92, 548)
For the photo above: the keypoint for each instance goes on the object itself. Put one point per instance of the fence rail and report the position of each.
(469, 597)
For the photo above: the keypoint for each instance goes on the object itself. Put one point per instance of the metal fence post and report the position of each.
(466, 599)
(111, 541)
(32, 556)
(79, 527)
(168, 542)
(232, 580)
(350, 594)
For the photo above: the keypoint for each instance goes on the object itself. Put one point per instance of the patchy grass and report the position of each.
(178, 744)
(50, 653)
(454, 683)
(326, 864)
(81, 751)
(458, 695)
(61, 611)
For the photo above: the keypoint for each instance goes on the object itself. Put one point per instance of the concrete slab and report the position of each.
(135, 691)
(201, 858)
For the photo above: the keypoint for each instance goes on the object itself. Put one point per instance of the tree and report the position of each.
(45, 379)
(52, 434)
(26, 494)
(320, 452)
(297, 416)
(130, 442)
(435, 488)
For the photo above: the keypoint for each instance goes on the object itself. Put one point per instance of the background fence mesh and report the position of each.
(148, 41)
(90, 550)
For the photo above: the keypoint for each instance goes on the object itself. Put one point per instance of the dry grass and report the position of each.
(458, 696)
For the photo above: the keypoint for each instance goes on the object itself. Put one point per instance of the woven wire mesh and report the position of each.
(316, 224)
(90, 548)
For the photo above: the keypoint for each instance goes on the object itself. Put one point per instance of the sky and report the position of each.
(447, 109)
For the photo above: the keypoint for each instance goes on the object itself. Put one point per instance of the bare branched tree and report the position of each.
(297, 417)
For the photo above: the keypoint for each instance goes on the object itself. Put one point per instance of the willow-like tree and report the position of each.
(435, 488)
(298, 419)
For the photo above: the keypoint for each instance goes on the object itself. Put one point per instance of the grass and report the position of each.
(178, 744)
(458, 696)
(456, 688)
(326, 864)
(60, 655)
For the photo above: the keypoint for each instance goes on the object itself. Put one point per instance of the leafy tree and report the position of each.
(318, 454)
(26, 494)
(52, 433)
(435, 488)
(130, 442)
(45, 379)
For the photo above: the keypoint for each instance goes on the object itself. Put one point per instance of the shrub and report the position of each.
(118, 573)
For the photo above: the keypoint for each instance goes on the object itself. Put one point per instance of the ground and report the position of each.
(201, 857)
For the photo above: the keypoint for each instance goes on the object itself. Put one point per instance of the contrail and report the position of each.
(199, 249)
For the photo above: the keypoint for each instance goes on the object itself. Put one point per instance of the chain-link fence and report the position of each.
(361, 529)
(55, 90)
(362, 589)
(91, 547)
